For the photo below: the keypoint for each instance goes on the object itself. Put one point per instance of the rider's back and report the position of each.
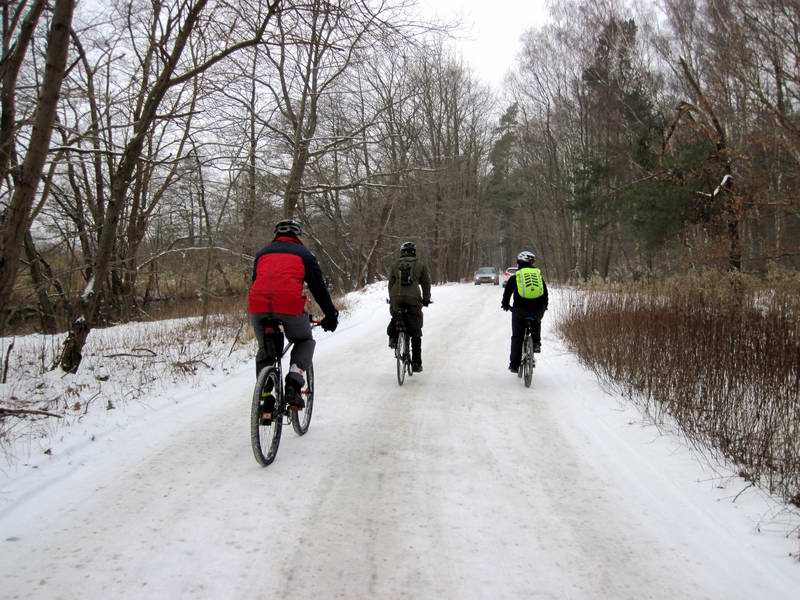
(279, 271)
(409, 282)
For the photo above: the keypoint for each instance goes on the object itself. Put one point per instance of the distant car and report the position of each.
(487, 275)
(509, 273)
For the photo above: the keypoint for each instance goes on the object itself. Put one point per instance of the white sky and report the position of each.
(490, 32)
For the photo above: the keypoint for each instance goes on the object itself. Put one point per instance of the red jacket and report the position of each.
(279, 271)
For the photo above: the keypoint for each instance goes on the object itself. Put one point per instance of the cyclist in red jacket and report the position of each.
(276, 293)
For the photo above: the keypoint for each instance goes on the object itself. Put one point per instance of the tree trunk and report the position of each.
(295, 181)
(17, 217)
(13, 55)
(40, 284)
(90, 300)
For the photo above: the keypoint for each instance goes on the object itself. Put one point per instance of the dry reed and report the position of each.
(721, 356)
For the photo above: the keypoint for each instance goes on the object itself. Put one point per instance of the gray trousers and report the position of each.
(297, 329)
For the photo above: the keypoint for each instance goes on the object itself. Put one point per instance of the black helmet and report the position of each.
(526, 257)
(288, 227)
(408, 249)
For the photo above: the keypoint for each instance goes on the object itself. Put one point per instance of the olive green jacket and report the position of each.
(420, 288)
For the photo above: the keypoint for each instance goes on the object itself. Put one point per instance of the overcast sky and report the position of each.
(489, 37)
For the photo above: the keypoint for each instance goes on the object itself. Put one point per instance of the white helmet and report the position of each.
(526, 256)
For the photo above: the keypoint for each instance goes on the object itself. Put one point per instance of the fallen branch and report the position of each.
(747, 487)
(20, 412)
(188, 366)
(89, 401)
(150, 355)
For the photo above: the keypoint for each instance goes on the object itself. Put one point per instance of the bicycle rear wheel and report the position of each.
(400, 356)
(301, 419)
(265, 437)
(527, 361)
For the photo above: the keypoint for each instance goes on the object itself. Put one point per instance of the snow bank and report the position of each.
(127, 370)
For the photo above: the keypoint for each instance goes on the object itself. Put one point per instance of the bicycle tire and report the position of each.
(400, 356)
(265, 439)
(528, 360)
(301, 419)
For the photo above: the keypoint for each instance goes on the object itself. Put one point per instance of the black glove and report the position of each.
(426, 302)
(505, 307)
(330, 322)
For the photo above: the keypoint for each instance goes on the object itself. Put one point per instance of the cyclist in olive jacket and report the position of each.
(530, 300)
(409, 287)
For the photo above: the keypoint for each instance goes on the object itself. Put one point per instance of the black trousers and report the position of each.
(413, 322)
(518, 319)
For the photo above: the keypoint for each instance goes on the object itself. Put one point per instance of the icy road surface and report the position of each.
(460, 484)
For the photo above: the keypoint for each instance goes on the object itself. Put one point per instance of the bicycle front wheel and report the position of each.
(265, 434)
(400, 356)
(527, 361)
(301, 419)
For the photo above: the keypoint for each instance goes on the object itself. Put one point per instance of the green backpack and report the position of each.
(406, 272)
(529, 283)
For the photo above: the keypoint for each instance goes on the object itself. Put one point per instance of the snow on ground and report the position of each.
(460, 484)
(127, 370)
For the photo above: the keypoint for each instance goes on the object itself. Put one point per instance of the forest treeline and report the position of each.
(147, 147)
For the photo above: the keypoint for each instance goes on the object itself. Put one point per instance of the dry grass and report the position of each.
(720, 354)
(129, 363)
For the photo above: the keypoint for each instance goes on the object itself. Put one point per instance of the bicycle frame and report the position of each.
(271, 327)
(265, 432)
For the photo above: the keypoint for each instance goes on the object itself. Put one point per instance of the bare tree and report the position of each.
(16, 218)
(316, 44)
(185, 20)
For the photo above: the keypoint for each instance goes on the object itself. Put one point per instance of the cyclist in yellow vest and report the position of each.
(530, 300)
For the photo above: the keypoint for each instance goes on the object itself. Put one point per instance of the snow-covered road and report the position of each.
(460, 484)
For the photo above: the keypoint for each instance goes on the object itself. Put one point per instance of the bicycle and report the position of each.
(265, 433)
(402, 351)
(528, 361)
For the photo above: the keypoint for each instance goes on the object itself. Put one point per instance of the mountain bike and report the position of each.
(402, 351)
(268, 412)
(528, 361)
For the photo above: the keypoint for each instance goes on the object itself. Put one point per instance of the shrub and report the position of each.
(719, 353)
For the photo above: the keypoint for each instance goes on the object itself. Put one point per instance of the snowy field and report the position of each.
(460, 484)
